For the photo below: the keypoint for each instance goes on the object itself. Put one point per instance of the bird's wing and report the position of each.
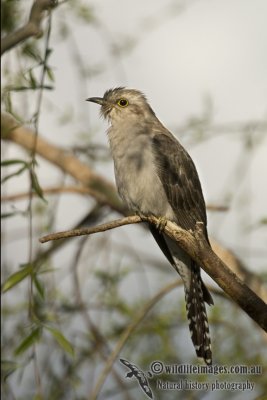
(180, 181)
(131, 366)
(140, 376)
(143, 382)
(182, 187)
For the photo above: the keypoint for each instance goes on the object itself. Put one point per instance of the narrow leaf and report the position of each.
(33, 337)
(32, 80)
(15, 278)
(18, 172)
(31, 52)
(62, 341)
(50, 74)
(10, 214)
(12, 162)
(48, 52)
(39, 286)
(7, 368)
(36, 186)
(23, 88)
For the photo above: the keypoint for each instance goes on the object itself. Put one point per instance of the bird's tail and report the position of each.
(195, 299)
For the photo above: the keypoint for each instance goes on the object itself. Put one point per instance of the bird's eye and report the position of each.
(122, 103)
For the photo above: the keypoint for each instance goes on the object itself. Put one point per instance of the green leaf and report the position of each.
(23, 88)
(36, 186)
(33, 337)
(32, 79)
(50, 74)
(10, 214)
(39, 286)
(18, 172)
(7, 368)
(30, 51)
(6, 163)
(62, 341)
(49, 51)
(16, 278)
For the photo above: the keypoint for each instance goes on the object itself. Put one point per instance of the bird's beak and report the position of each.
(97, 100)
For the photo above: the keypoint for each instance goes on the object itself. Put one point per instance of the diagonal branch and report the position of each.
(32, 28)
(195, 244)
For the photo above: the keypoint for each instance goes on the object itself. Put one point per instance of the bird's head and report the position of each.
(122, 104)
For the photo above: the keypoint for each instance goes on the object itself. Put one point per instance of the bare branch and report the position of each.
(32, 28)
(134, 219)
(216, 207)
(195, 244)
(235, 264)
(56, 190)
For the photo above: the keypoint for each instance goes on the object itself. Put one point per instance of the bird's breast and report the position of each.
(137, 179)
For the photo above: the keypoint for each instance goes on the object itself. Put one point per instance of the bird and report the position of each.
(141, 377)
(156, 176)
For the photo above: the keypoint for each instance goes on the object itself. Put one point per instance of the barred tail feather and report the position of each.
(197, 316)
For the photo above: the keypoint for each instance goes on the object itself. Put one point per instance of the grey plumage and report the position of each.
(155, 175)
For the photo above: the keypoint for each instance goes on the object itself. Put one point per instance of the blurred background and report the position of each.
(71, 306)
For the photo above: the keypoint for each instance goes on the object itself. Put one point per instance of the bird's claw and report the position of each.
(162, 221)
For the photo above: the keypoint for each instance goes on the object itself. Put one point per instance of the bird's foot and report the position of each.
(162, 221)
(141, 215)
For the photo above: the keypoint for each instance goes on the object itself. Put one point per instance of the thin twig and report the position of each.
(55, 190)
(216, 207)
(134, 219)
(36, 13)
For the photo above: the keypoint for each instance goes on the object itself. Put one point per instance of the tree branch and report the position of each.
(56, 190)
(251, 279)
(134, 219)
(194, 244)
(32, 28)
